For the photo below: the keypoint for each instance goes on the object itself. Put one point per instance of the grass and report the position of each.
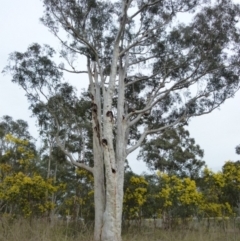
(42, 230)
(182, 235)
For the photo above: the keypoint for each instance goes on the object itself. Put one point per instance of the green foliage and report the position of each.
(231, 189)
(18, 128)
(238, 149)
(173, 152)
(16, 147)
(152, 206)
(78, 196)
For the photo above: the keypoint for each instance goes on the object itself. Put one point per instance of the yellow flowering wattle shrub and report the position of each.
(22, 191)
(27, 193)
(135, 196)
(178, 195)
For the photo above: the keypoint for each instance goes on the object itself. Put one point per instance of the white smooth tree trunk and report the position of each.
(99, 192)
(98, 171)
(108, 202)
(109, 158)
(110, 147)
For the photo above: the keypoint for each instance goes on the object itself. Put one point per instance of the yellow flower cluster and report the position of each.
(20, 187)
(135, 196)
(177, 191)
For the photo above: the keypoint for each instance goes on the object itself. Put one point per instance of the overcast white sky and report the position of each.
(217, 133)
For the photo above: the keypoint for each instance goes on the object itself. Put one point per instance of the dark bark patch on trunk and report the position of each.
(113, 170)
(94, 107)
(91, 96)
(97, 126)
(110, 115)
(97, 129)
(104, 142)
(126, 80)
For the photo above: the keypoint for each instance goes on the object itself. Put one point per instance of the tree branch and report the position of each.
(73, 71)
(148, 132)
(81, 165)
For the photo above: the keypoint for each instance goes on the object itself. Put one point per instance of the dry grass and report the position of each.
(40, 230)
(182, 235)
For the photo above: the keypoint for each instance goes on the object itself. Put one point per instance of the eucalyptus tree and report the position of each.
(237, 149)
(231, 189)
(19, 130)
(174, 152)
(63, 123)
(147, 72)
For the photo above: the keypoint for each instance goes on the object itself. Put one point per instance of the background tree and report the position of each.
(16, 145)
(77, 200)
(231, 173)
(212, 188)
(64, 130)
(18, 128)
(174, 152)
(238, 149)
(17, 131)
(189, 70)
(152, 207)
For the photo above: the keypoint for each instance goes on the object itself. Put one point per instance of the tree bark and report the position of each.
(99, 182)
(99, 199)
